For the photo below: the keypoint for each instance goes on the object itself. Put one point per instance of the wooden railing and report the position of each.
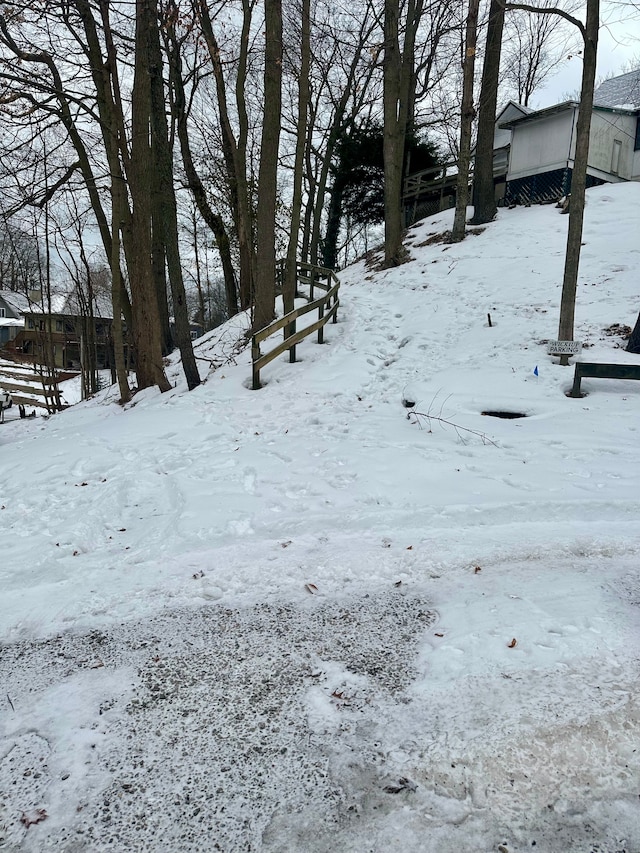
(311, 277)
(30, 388)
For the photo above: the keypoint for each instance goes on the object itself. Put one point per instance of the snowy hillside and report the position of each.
(311, 618)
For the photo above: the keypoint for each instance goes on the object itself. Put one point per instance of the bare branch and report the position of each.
(538, 10)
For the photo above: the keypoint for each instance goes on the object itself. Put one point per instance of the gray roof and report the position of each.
(71, 305)
(622, 91)
(515, 106)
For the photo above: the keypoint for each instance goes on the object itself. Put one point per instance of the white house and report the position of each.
(428, 192)
(543, 143)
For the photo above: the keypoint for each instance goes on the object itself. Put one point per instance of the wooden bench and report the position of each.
(602, 371)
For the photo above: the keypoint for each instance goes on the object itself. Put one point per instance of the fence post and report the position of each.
(255, 355)
(291, 330)
(320, 316)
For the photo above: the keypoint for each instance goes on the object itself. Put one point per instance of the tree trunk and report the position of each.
(264, 307)
(484, 194)
(165, 214)
(393, 137)
(634, 339)
(290, 277)
(579, 176)
(116, 290)
(212, 219)
(398, 95)
(468, 114)
(334, 217)
(146, 318)
(235, 152)
(158, 264)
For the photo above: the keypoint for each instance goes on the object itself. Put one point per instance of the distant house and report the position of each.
(426, 193)
(66, 324)
(12, 310)
(543, 143)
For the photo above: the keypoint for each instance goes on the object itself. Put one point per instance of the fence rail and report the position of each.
(33, 389)
(326, 305)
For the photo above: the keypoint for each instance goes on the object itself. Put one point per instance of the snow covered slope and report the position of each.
(310, 618)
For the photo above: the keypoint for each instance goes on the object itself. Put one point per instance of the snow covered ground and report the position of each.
(304, 618)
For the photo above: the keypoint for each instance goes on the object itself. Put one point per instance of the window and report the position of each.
(3, 313)
(30, 324)
(636, 147)
(59, 326)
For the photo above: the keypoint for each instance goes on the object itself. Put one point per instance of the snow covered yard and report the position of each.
(304, 619)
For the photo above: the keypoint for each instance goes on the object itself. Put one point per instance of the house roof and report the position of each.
(18, 302)
(514, 105)
(537, 114)
(622, 92)
(71, 305)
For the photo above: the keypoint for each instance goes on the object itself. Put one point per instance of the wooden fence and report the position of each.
(311, 277)
(30, 388)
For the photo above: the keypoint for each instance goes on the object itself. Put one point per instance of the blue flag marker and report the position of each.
(535, 370)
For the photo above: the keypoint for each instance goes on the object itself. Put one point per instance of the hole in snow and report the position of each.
(507, 415)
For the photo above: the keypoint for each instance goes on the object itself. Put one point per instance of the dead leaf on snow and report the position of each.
(403, 784)
(513, 643)
(311, 587)
(33, 816)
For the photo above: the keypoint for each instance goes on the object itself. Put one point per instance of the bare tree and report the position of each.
(235, 146)
(484, 196)
(194, 180)
(18, 259)
(399, 89)
(165, 212)
(146, 316)
(289, 285)
(467, 116)
(264, 305)
(589, 31)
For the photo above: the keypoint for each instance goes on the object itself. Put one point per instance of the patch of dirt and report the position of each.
(433, 239)
(618, 329)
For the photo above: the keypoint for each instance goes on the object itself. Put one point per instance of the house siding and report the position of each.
(541, 146)
(609, 130)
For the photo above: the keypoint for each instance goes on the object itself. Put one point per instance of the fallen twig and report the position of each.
(459, 430)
